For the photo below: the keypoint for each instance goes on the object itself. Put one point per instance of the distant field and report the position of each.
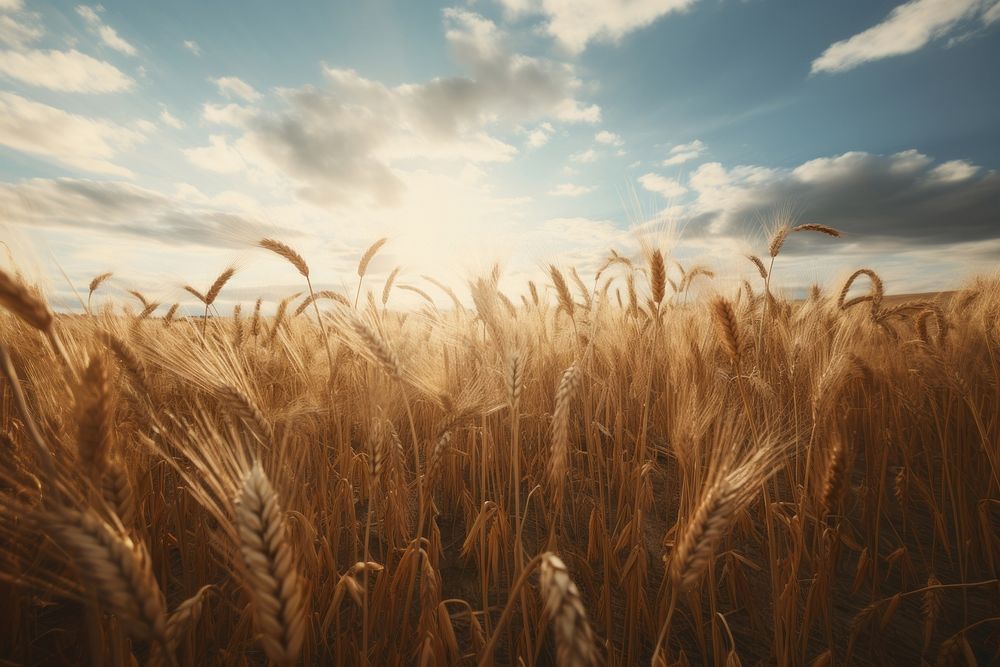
(938, 297)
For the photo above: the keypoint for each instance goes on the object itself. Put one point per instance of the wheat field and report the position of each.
(633, 467)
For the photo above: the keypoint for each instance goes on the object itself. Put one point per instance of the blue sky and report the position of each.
(159, 140)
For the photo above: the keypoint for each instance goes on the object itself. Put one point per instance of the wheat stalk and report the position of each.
(876, 292)
(322, 294)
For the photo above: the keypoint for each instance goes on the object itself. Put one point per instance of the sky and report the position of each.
(161, 140)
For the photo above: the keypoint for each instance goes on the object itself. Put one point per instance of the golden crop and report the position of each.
(622, 476)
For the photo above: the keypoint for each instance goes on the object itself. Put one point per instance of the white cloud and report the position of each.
(992, 14)
(107, 34)
(356, 139)
(684, 153)
(229, 114)
(575, 23)
(585, 156)
(218, 156)
(572, 111)
(953, 171)
(11, 5)
(192, 46)
(66, 71)
(69, 139)
(145, 126)
(571, 190)
(19, 32)
(171, 120)
(609, 138)
(232, 86)
(667, 187)
(908, 28)
(540, 135)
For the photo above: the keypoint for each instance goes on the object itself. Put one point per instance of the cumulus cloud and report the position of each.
(908, 28)
(227, 114)
(54, 134)
(585, 156)
(609, 138)
(108, 35)
(344, 140)
(667, 187)
(571, 190)
(901, 197)
(575, 23)
(954, 171)
(684, 153)
(65, 71)
(218, 156)
(232, 86)
(192, 46)
(540, 135)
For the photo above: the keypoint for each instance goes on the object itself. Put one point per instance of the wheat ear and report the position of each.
(759, 264)
(574, 638)
(94, 284)
(169, 317)
(704, 532)
(95, 417)
(559, 460)
(294, 258)
(117, 491)
(185, 616)
(24, 302)
(562, 291)
(119, 569)
(777, 240)
(727, 329)
(244, 408)
(657, 277)
(822, 229)
(272, 578)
